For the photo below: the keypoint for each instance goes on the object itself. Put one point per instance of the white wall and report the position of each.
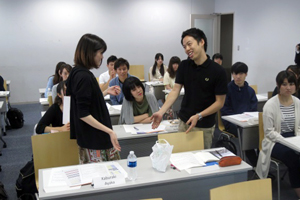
(267, 33)
(36, 34)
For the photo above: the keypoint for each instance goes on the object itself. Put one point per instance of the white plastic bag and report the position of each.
(161, 155)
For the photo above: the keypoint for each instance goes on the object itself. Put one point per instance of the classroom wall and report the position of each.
(266, 33)
(36, 34)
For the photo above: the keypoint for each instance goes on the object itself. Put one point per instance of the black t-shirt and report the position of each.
(53, 117)
(201, 85)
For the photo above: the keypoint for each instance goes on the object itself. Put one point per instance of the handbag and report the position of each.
(161, 155)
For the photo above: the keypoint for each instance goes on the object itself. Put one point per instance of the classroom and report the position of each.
(37, 34)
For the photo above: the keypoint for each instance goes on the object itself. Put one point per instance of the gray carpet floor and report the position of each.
(19, 152)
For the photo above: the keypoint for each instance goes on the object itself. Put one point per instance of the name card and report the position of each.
(106, 181)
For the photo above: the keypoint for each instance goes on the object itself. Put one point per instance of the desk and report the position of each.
(114, 114)
(4, 143)
(45, 103)
(141, 144)
(169, 185)
(42, 92)
(261, 100)
(248, 138)
(4, 109)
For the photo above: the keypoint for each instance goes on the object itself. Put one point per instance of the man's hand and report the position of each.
(112, 74)
(193, 121)
(156, 118)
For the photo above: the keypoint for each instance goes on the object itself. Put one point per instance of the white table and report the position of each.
(261, 100)
(248, 137)
(42, 92)
(153, 184)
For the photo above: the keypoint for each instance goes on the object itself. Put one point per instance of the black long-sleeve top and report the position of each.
(87, 99)
(53, 116)
(297, 59)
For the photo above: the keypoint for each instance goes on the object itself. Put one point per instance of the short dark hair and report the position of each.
(239, 67)
(86, 48)
(290, 76)
(129, 84)
(60, 86)
(216, 56)
(197, 34)
(121, 61)
(111, 58)
(170, 69)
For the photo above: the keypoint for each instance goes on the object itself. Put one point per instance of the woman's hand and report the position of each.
(114, 141)
(113, 90)
(65, 127)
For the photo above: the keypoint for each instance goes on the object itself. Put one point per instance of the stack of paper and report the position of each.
(246, 116)
(143, 128)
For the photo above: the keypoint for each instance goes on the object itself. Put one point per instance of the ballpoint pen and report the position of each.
(135, 128)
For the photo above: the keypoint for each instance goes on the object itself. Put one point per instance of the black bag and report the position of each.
(25, 183)
(3, 195)
(15, 117)
(224, 141)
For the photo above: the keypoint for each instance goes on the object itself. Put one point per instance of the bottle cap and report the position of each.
(131, 152)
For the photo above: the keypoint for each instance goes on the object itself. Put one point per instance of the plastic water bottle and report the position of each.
(132, 163)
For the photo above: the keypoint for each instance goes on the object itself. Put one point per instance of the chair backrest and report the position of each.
(260, 189)
(53, 150)
(158, 92)
(184, 142)
(138, 71)
(270, 93)
(97, 78)
(5, 85)
(50, 100)
(254, 88)
(260, 128)
(220, 123)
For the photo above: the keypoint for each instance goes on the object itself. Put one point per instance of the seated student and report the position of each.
(281, 118)
(107, 76)
(137, 106)
(54, 79)
(218, 58)
(2, 84)
(53, 115)
(157, 71)
(240, 98)
(64, 72)
(297, 55)
(296, 71)
(122, 68)
(169, 77)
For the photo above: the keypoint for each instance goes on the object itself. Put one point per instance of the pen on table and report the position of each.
(173, 167)
(219, 154)
(135, 128)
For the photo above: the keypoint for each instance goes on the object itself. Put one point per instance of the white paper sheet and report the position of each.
(66, 110)
(143, 128)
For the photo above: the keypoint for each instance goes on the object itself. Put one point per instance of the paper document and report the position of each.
(293, 143)
(185, 160)
(143, 128)
(245, 116)
(66, 109)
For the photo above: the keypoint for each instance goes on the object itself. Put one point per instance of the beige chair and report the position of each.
(248, 190)
(53, 150)
(50, 100)
(277, 163)
(221, 125)
(270, 94)
(254, 88)
(138, 71)
(97, 78)
(184, 142)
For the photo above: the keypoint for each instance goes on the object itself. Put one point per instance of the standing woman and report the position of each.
(89, 117)
(157, 71)
(281, 118)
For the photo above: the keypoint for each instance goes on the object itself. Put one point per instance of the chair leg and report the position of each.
(278, 179)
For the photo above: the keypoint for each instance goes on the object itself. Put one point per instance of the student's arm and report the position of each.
(49, 86)
(172, 96)
(140, 118)
(90, 120)
(104, 86)
(213, 108)
(65, 127)
(253, 102)
(227, 108)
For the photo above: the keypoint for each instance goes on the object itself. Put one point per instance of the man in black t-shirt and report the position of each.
(297, 55)
(205, 88)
